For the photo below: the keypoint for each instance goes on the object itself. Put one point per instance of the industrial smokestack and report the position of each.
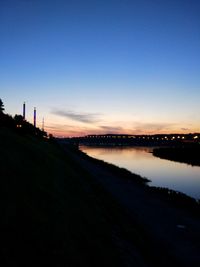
(24, 111)
(34, 117)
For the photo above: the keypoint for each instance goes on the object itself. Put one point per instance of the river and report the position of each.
(163, 173)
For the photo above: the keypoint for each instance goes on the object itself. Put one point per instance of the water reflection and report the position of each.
(164, 173)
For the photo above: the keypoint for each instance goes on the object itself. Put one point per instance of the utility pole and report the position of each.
(43, 124)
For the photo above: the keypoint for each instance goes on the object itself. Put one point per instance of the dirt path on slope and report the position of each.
(174, 232)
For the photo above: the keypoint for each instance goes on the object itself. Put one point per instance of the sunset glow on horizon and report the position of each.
(100, 67)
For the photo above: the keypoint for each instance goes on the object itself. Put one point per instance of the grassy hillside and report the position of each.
(52, 214)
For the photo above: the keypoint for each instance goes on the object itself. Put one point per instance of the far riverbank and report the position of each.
(185, 154)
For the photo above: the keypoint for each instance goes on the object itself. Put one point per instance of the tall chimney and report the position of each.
(24, 111)
(34, 117)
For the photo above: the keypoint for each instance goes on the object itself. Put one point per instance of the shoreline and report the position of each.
(160, 211)
(146, 180)
(187, 155)
(177, 198)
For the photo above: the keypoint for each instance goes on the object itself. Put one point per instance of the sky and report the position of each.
(102, 66)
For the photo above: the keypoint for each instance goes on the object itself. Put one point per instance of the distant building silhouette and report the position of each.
(24, 111)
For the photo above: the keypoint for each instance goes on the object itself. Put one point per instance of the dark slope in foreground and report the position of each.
(53, 215)
(61, 208)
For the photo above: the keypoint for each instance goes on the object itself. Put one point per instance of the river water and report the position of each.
(163, 173)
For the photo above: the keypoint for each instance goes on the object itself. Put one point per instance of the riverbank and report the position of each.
(161, 172)
(184, 154)
(62, 208)
(169, 218)
(54, 213)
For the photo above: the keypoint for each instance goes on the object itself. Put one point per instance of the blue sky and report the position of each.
(102, 66)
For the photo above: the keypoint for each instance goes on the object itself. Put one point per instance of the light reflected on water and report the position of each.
(164, 173)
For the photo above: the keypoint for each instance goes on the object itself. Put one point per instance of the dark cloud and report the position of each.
(50, 128)
(110, 129)
(81, 117)
(140, 127)
(185, 129)
(58, 127)
(66, 130)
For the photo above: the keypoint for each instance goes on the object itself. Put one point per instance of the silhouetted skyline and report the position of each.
(95, 67)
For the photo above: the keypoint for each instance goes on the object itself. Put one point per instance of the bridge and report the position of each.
(135, 140)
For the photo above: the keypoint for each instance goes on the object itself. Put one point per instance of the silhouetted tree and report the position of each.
(1, 106)
(5, 119)
(18, 119)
